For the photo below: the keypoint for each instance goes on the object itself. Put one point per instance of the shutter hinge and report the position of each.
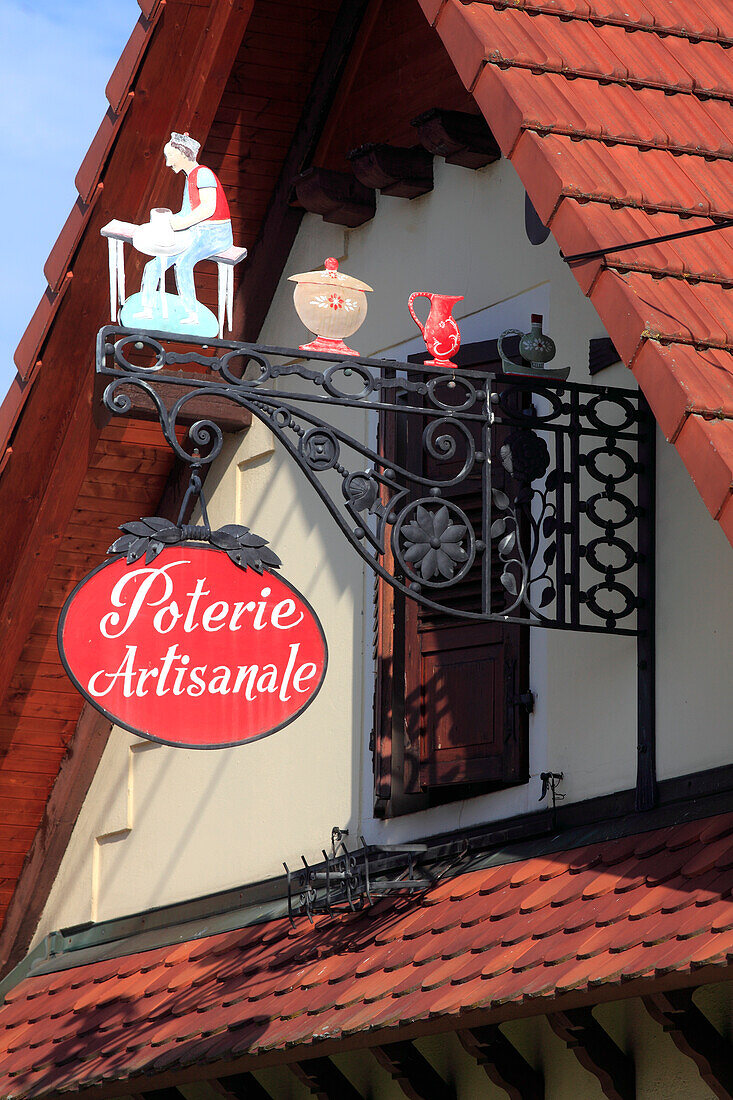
(526, 700)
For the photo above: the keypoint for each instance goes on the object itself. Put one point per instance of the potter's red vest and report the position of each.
(221, 210)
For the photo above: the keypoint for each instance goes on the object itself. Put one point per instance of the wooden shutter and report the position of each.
(459, 683)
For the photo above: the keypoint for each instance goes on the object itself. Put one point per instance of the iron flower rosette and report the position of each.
(432, 542)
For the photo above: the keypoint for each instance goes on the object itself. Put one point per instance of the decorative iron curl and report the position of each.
(443, 447)
(206, 435)
(544, 531)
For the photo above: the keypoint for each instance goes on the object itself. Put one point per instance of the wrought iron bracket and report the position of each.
(518, 500)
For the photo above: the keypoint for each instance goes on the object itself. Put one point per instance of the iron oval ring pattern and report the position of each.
(621, 402)
(247, 357)
(611, 587)
(469, 389)
(530, 416)
(135, 339)
(611, 541)
(330, 386)
(630, 510)
(591, 465)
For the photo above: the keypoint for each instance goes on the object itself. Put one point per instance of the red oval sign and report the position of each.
(192, 650)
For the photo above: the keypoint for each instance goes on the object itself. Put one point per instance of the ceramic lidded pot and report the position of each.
(331, 304)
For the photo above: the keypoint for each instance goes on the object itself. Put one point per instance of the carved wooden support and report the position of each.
(503, 1064)
(459, 137)
(696, 1037)
(401, 172)
(324, 1079)
(240, 1086)
(337, 196)
(414, 1074)
(596, 1051)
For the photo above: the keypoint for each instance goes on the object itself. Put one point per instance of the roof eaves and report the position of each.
(89, 187)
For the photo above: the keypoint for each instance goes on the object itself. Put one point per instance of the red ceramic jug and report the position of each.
(440, 331)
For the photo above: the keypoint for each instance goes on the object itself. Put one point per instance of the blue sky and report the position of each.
(56, 57)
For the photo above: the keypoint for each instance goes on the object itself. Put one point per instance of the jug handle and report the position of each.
(411, 299)
(506, 361)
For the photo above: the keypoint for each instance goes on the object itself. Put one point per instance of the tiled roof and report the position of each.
(515, 934)
(617, 137)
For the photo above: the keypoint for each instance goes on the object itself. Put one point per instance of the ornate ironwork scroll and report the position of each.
(553, 465)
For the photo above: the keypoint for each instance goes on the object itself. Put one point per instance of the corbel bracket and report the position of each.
(694, 1035)
(502, 1063)
(596, 1051)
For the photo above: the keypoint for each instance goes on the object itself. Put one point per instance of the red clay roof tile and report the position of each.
(124, 71)
(636, 128)
(28, 349)
(706, 447)
(264, 987)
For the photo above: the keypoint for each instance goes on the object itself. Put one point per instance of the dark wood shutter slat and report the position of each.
(461, 681)
(384, 639)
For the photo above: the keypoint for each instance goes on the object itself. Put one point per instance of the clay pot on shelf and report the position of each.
(331, 304)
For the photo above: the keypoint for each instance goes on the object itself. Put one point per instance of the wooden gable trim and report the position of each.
(61, 424)
(54, 438)
(70, 788)
(53, 835)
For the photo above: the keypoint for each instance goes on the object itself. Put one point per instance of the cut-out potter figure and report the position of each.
(204, 214)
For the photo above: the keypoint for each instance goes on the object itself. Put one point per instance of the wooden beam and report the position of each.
(162, 1094)
(694, 1035)
(414, 1074)
(502, 1063)
(596, 1051)
(337, 196)
(230, 416)
(281, 223)
(459, 137)
(324, 1079)
(241, 1086)
(395, 171)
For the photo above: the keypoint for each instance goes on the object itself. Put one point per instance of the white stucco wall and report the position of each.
(163, 824)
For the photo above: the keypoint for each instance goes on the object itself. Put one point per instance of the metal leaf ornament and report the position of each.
(244, 548)
(150, 535)
(434, 543)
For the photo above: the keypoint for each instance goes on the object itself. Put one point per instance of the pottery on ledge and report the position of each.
(331, 304)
